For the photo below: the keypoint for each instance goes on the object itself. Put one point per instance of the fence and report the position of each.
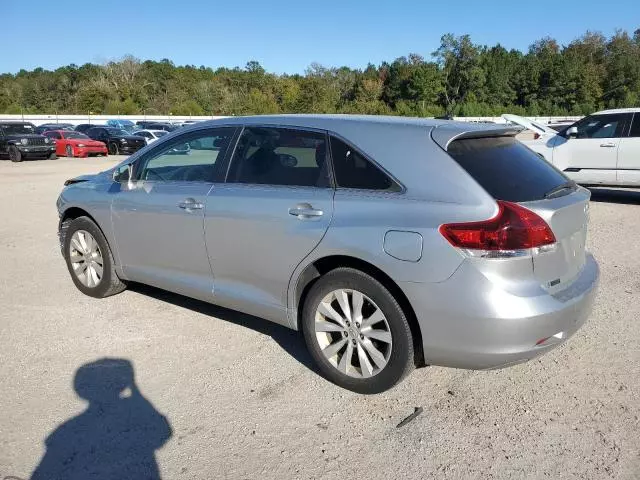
(101, 119)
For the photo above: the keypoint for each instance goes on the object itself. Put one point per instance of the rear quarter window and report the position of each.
(505, 168)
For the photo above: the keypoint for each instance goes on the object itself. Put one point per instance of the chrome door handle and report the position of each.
(190, 204)
(305, 210)
(608, 144)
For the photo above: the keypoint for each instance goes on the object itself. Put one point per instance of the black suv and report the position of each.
(118, 141)
(18, 141)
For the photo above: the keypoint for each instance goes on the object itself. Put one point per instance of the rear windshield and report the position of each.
(505, 168)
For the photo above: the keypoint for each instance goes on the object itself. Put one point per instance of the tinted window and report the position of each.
(635, 126)
(278, 156)
(178, 160)
(505, 168)
(601, 126)
(74, 135)
(353, 170)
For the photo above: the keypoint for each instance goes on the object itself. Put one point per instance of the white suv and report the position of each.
(601, 149)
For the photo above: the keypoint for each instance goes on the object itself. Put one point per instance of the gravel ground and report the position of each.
(243, 402)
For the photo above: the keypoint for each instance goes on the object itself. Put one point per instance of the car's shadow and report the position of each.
(611, 195)
(290, 340)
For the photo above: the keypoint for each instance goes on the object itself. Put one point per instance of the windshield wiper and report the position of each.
(555, 192)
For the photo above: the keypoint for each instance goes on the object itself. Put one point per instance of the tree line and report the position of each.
(460, 78)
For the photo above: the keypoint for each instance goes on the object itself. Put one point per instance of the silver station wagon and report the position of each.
(389, 242)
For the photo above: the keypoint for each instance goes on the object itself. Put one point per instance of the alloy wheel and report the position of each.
(86, 258)
(353, 333)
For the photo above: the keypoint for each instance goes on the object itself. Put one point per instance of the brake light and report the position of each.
(513, 228)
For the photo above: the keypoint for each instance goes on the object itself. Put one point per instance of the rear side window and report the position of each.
(635, 126)
(353, 170)
(505, 168)
(280, 156)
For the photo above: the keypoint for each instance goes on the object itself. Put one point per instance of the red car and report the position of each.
(75, 144)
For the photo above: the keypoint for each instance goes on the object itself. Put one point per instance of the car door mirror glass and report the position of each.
(572, 132)
(122, 173)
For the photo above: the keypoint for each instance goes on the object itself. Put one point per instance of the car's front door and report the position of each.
(592, 155)
(273, 210)
(158, 216)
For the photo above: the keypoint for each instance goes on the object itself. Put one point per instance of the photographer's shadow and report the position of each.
(115, 437)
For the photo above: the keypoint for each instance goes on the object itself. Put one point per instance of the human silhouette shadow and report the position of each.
(114, 438)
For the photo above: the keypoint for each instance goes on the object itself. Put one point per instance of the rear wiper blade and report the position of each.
(555, 192)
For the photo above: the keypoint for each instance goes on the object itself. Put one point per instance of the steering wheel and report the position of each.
(196, 173)
(160, 177)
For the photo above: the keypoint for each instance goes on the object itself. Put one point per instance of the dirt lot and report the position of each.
(240, 396)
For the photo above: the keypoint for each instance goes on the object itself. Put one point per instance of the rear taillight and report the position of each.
(513, 228)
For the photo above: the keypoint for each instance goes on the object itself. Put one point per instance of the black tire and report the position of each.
(69, 151)
(114, 149)
(109, 284)
(401, 358)
(52, 156)
(15, 155)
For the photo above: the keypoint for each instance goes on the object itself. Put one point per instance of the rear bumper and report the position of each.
(470, 322)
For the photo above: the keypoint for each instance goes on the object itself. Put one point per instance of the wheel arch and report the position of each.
(68, 216)
(323, 265)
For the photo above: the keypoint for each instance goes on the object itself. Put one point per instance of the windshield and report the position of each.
(116, 131)
(18, 128)
(74, 135)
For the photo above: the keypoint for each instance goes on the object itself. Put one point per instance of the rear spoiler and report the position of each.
(444, 134)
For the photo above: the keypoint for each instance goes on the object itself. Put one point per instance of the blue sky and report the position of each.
(285, 36)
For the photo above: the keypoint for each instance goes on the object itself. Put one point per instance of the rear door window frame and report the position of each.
(245, 126)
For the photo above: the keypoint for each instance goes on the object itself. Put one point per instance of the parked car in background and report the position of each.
(83, 127)
(126, 125)
(75, 144)
(600, 149)
(150, 135)
(389, 241)
(40, 129)
(19, 141)
(167, 127)
(118, 141)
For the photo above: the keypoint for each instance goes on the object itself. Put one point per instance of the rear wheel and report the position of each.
(15, 155)
(89, 259)
(69, 151)
(356, 332)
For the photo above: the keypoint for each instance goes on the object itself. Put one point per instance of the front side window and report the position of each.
(353, 170)
(602, 126)
(181, 159)
(280, 156)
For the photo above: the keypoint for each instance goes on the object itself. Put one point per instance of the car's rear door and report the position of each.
(158, 217)
(629, 155)
(273, 210)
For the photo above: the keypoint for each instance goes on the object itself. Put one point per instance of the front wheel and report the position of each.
(15, 155)
(114, 149)
(89, 259)
(356, 332)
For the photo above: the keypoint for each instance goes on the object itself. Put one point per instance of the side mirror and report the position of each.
(123, 173)
(572, 132)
